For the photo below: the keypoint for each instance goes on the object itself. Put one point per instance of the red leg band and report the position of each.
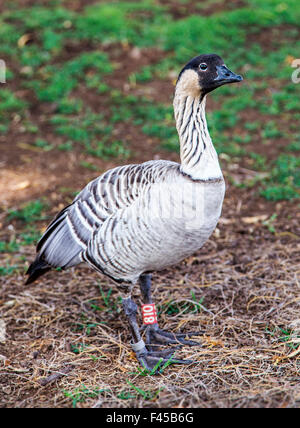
(149, 313)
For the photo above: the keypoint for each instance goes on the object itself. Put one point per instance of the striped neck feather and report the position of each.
(199, 158)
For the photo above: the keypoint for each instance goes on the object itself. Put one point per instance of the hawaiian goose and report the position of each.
(136, 219)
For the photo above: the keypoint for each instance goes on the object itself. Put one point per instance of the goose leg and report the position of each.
(154, 335)
(148, 359)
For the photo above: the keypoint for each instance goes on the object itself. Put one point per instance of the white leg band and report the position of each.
(138, 346)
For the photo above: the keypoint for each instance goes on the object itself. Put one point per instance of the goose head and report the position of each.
(203, 74)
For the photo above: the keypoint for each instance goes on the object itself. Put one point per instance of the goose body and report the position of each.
(136, 219)
(164, 218)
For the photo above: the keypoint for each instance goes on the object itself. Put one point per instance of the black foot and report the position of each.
(155, 336)
(156, 361)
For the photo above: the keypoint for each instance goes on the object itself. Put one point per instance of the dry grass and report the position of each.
(66, 343)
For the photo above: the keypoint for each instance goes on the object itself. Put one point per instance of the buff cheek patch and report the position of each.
(149, 314)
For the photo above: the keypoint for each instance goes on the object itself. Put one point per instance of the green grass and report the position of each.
(269, 223)
(91, 132)
(29, 236)
(89, 165)
(109, 303)
(9, 247)
(29, 213)
(82, 393)
(10, 105)
(9, 102)
(86, 326)
(294, 147)
(9, 270)
(145, 394)
(54, 76)
(284, 335)
(284, 181)
(69, 105)
(193, 305)
(56, 83)
(43, 144)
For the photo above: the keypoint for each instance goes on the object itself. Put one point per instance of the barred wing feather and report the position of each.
(70, 234)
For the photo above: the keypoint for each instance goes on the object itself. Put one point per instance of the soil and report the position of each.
(179, 11)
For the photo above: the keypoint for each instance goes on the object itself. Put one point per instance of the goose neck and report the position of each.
(198, 156)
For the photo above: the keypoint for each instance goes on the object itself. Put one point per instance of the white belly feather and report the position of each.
(170, 222)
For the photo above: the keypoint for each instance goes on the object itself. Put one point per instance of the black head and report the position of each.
(205, 73)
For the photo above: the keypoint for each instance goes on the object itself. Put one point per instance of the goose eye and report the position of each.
(203, 66)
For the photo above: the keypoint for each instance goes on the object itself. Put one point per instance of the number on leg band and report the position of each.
(149, 314)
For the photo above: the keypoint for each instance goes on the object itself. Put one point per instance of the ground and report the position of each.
(83, 96)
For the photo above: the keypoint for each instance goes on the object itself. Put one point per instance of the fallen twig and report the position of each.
(55, 376)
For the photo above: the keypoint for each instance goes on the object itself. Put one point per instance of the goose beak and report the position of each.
(224, 75)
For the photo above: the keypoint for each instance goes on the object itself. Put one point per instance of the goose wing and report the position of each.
(69, 234)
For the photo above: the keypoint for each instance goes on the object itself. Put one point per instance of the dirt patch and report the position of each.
(271, 37)
(129, 60)
(79, 5)
(181, 10)
(76, 5)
